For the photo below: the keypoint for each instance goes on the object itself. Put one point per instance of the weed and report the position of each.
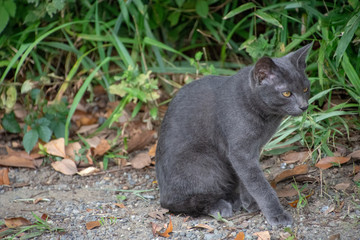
(40, 227)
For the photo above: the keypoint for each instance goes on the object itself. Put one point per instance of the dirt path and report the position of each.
(73, 201)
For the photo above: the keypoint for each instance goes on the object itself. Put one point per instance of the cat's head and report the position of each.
(281, 85)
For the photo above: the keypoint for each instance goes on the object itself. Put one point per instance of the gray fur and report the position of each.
(207, 157)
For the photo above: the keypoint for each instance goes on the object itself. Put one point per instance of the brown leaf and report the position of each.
(120, 205)
(298, 170)
(82, 118)
(168, 230)
(56, 147)
(44, 217)
(204, 226)
(87, 128)
(355, 154)
(16, 222)
(158, 214)
(72, 149)
(140, 140)
(265, 235)
(342, 186)
(102, 148)
(89, 170)
(294, 203)
(357, 177)
(152, 150)
(17, 159)
(92, 224)
(292, 157)
(155, 228)
(286, 192)
(240, 236)
(65, 166)
(93, 142)
(141, 160)
(328, 162)
(4, 176)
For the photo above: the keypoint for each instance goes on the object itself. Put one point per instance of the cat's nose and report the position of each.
(304, 107)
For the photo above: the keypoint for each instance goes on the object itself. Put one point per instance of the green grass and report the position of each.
(104, 43)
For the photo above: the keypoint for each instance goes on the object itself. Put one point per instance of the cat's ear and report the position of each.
(298, 57)
(263, 70)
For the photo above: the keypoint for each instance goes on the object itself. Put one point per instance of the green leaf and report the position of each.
(174, 18)
(58, 128)
(42, 122)
(27, 86)
(350, 29)
(179, 3)
(10, 124)
(351, 73)
(4, 18)
(44, 133)
(11, 96)
(154, 112)
(238, 10)
(202, 8)
(10, 7)
(30, 139)
(268, 18)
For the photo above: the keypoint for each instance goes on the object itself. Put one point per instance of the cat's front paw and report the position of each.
(283, 219)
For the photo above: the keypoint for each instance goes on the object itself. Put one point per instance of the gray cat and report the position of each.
(207, 157)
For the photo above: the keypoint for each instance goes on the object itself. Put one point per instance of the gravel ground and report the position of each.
(75, 201)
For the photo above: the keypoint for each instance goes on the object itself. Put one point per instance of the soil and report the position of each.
(332, 211)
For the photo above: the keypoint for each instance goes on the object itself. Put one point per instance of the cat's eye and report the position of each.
(286, 94)
(306, 89)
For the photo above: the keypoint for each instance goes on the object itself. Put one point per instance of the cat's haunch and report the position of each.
(207, 156)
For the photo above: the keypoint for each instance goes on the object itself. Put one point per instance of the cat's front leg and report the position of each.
(258, 187)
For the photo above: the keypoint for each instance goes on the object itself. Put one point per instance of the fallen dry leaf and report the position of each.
(140, 140)
(141, 160)
(158, 214)
(204, 226)
(65, 166)
(288, 191)
(44, 217)
(93, 142)
(17, 159)
(87, 128)
(16, 222)
(298, 170)
(87, 171)
(4, 176)
(294, 203)
(265, 235)
(342, 186)
(72, 149)
(168, 230)
(56, 147)
(292, 157)
(355, 154)
(152, 150)
(82, 118)
(357, 177)
(102, 148)
(330, 209)
(120, 205)
(328, 162)
(155, 228)
(92, 224)
(240, 236)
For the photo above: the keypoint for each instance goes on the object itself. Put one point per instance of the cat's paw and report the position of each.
(283, 219)
(223, 208)
(252, 207)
